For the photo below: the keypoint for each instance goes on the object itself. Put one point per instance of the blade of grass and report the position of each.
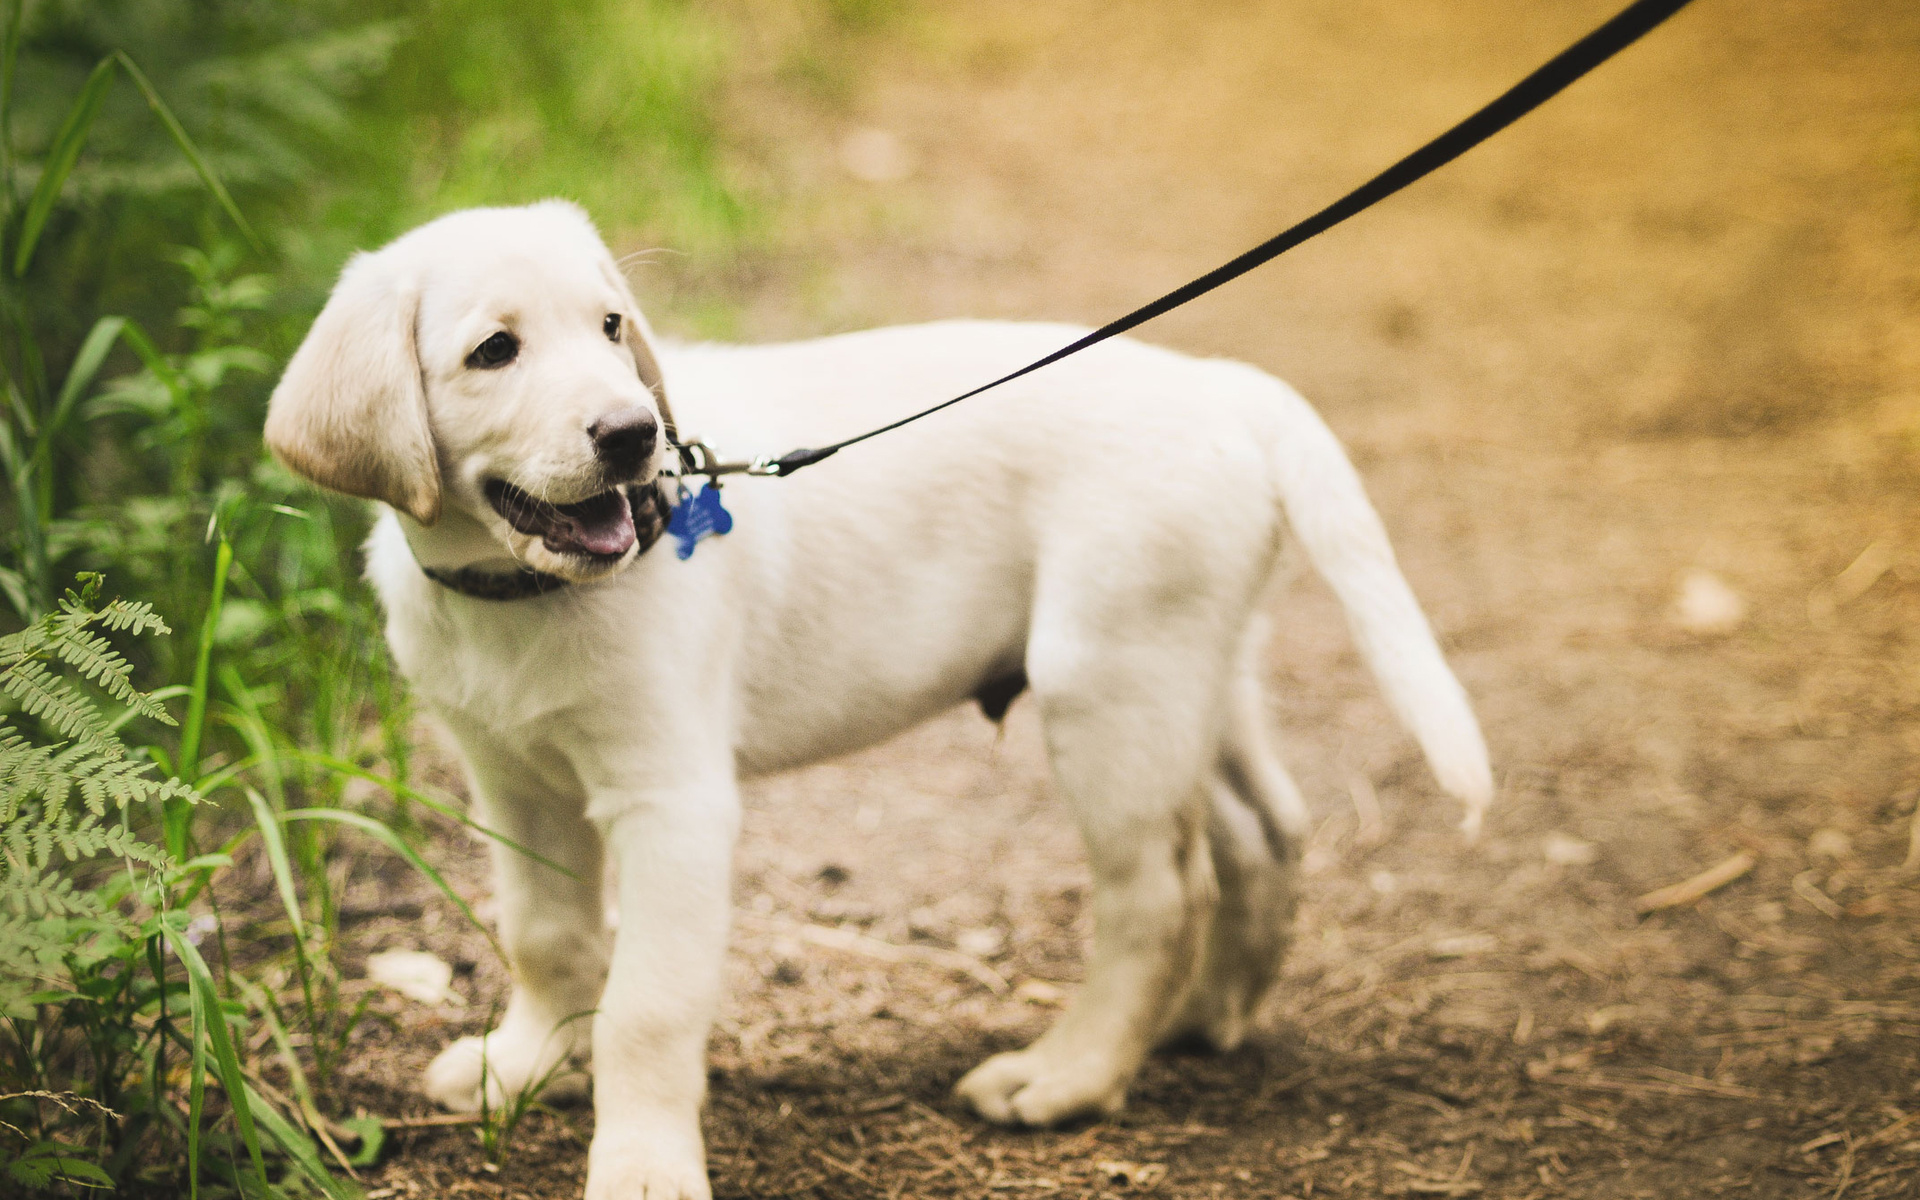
(277, 1102)
(277, 859)
(251, 724)
(178, 814)
(21, 412)
(296, 1145)
(9, 56)
(196, 1084)
(269, 1010)
(192, 152)
(86, 364)
(395, 843)
(61, 156)
(213, 781)
(437, 805)
(210, 1024)
(153, 360)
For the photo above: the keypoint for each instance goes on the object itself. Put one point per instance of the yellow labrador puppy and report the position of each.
(1103, 532)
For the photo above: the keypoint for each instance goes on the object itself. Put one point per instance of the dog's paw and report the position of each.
(453, 1079)
(1031, 1087)
(638, 1169)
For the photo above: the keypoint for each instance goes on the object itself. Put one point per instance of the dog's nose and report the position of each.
(624, 438)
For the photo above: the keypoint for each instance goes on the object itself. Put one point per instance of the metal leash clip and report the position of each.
(699, 458)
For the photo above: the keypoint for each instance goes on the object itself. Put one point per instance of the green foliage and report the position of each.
(608, 102)
(47, 920)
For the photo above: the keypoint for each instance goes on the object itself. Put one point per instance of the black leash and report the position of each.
(1530, 93)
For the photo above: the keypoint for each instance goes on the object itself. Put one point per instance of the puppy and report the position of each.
(1103, 533)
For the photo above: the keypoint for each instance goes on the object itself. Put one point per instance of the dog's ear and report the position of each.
(639, 340)
(350, 413)
(637, 336)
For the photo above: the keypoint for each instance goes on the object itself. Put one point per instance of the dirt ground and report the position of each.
(1669, 324)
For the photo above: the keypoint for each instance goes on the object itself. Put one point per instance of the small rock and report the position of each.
(1131, 1174)
(1039, 991)
(418, 975)
(984, 942)
(1463, 945)
(1707, 605)
(875, 156)
(1563, 850)
(1383, 882)
(1829, 843)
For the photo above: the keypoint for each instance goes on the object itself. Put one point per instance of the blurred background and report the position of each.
(1636, 387)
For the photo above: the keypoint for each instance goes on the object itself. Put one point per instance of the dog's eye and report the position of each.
(612, 326)
(496, 351)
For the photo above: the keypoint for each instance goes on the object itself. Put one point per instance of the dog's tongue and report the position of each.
(601, 525)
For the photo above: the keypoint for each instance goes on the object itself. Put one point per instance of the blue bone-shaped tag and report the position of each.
(696, 517)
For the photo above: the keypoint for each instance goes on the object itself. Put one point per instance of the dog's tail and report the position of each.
(1331, 515)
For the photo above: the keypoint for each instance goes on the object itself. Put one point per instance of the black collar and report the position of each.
(651, 506)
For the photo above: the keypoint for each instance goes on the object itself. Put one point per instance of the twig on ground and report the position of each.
(1425, 1184)
(1846, 1168)
(434, 1121)
(1688, 890)
(1913, 840)
(1887, 1132)
(1803, 887)
(1849, 585)
(845, 1168)
(1664, 1083)
(846, 940)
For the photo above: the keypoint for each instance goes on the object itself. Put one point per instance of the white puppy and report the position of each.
(1104, 532)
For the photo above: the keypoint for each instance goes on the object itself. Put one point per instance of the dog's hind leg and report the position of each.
(552, 927)
(1131, 731)
(1257, 825)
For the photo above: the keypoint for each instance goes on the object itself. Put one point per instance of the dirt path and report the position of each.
(1667, 324)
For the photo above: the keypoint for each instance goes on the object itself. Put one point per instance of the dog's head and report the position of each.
(492, 362)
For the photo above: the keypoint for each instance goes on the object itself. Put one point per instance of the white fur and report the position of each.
(1110, 525)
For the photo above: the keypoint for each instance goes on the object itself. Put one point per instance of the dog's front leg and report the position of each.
(547, 886)
(672, 850)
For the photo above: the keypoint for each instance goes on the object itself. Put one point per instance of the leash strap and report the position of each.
(1530, 93)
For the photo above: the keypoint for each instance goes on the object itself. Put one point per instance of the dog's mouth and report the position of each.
(599, 527)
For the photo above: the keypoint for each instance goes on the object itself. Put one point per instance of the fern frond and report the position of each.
(46, 917)
(96, 660)
(41, 693)
(136, 617)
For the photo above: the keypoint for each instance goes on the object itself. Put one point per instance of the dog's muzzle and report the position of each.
(600, 527)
